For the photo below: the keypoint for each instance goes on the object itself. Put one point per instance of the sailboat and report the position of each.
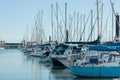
(41, 50)
(97, 64)
(60, 53)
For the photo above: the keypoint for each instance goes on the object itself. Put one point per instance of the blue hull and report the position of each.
(104, 48)
(95, 71)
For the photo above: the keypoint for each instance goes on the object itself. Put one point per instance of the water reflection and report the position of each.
(39, 71)
(15, 65)
(61, 74)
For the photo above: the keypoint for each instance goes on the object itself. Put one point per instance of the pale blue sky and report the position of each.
(15, 15)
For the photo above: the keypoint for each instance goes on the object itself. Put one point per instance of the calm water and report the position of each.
(15, 65)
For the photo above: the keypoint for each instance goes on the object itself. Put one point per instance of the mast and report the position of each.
(32, 34)
(66, 32)
(91, 22)
(106, 28)
(98, 15)
(80, 25)
(74, 24)
(36, 30)
(38, 27)
(77, 25)
(42, 26)
(52, 19)
(101, 19)
(112, 20)
(27, 33)
(57, 20)
(84, 25)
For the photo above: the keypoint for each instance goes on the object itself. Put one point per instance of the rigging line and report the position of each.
(42, 31)
(44, 35)
(106, 22)
(61, 14)
(56, 19)
(114, 11)
(78, 19)
(80, 24)
(58, 24)
(92, 29)
(84, 28)
(70, 26)
(76, 27)
(81, 19)
(62, 18)
(105, 27)
(33, 31)
(93, 26)
(61, 30)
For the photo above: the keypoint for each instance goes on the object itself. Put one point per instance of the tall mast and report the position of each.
(38, 27)
(32, 31)
(36, 30)
(91, 22)
(41, 27)
(74, 24)
(98, 16)
(112, 20)
(57, 20)
(77, 25)
(101, 18)
(66, 32)
(80, 25)
(27, 34)
(84, 25)
(52, 19)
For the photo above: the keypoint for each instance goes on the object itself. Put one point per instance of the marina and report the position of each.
(60, 43)
(15, 65)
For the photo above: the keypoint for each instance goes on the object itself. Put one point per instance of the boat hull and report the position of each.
(95, 71)
(63, 61)
(56, 62)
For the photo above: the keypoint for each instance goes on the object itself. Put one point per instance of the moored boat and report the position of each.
(97, 64)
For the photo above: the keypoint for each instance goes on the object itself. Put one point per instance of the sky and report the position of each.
(16, 15)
